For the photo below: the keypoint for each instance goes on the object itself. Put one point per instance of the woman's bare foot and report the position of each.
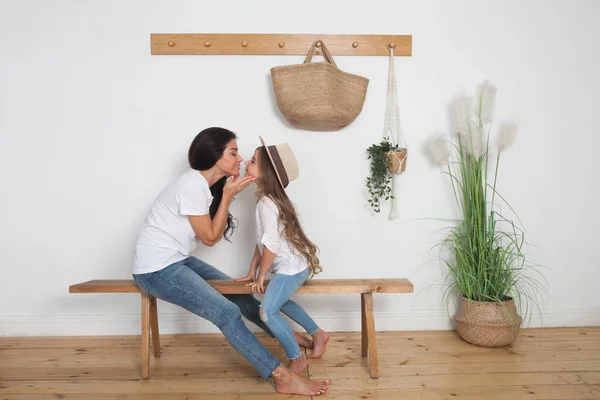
(298, 365)
(320, 339)
(288, 382)
(303, 341)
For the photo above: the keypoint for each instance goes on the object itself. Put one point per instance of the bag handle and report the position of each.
(326, 53)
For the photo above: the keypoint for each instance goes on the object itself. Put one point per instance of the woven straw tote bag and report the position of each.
(318, 96)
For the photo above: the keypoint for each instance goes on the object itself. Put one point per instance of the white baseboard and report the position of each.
(170, 323)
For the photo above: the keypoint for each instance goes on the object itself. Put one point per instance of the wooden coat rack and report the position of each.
(277, 44)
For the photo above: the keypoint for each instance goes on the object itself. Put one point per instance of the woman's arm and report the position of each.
(210, 231)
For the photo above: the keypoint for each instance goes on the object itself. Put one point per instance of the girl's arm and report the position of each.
(253, 266)
(265, 263)
(255, 262)
(271, 240)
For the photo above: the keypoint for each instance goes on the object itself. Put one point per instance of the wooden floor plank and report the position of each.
(88, 360)
(150, 396)
(257, 385)
(575, 334)
(580, 392)
(395, 353)
(357, 369)
(398, 345)
(550, 392)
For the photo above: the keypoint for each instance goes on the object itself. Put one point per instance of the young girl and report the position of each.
(283, 251)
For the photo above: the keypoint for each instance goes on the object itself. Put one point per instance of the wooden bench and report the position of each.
(366, 288)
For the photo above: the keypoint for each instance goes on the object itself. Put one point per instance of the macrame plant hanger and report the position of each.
(393, 133)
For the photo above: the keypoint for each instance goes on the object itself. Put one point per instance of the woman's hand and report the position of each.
(235, 185)
(258, 287)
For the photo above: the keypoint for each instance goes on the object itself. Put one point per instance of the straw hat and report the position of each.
(284, 162)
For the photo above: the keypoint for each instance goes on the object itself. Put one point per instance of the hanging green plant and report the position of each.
(379, 183)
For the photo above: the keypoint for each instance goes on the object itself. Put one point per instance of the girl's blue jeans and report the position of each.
(277, 298)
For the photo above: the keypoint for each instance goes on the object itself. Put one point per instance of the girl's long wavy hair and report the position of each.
(206, 149)
(268, 185)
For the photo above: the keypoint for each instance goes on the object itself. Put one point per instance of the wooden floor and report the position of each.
(545, 364)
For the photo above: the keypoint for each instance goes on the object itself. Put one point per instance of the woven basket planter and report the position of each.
(488, 324)
(398, 161)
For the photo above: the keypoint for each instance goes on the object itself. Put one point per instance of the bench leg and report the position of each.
(154, 327)
(368, 333)
(145, 336)
(363, 331)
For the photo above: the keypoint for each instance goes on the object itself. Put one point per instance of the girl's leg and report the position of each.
(278, 292)
(297, 314)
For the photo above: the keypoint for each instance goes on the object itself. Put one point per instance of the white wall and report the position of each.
(92, 127)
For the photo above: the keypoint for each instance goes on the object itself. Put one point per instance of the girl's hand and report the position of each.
(258, 287)
(247, 278)
(235, 185)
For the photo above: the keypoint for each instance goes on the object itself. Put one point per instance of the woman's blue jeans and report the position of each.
(184, 284)
(277, 298)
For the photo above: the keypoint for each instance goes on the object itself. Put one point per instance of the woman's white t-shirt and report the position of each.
(269, 233)
(167, 235)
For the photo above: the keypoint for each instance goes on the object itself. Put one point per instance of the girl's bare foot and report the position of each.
(288, 382)
(298, 365)
(303, 341)
(320, 339)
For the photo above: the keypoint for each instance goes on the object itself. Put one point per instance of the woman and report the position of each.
(196, 208)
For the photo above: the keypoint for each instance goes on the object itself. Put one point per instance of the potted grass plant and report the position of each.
(487, 265)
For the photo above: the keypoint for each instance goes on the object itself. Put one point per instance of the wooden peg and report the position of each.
(281, 44)
(392, 45)
(244, 44)
(355, 44)
(207, 44)
(171, 43)
(319, 43)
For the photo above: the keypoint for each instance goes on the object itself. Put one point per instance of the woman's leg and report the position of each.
(247, 304)
(179, 285)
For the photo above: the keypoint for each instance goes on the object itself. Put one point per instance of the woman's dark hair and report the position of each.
(206, 149)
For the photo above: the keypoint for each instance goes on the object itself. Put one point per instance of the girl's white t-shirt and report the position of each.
(167, 235)
(269, 233)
